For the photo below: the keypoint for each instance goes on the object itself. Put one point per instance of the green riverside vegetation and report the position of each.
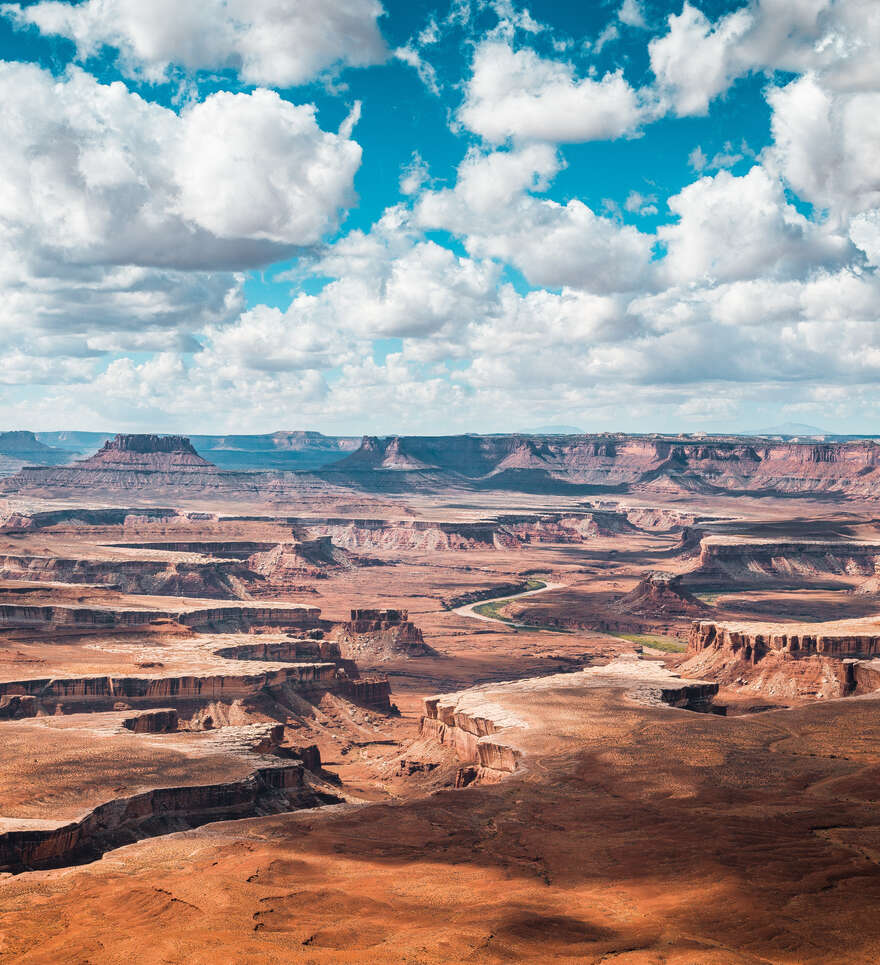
(668, 644)
(491, 608)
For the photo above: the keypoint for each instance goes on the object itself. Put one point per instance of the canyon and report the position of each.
(473, 698)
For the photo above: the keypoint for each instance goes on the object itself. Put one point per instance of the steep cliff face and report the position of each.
(16, 706)
(165, 482)
(217, 579)
(754, 641)
(414, 535)
(618, 463)
(153, 722)
(474, 732)
(653, 463)
(818, 661)
(315, 558)
(726, 560)
(64, 694)
(268, 790)
(232, 616)
(491, 728)
(503, 532)
(370, 690)
(14, 522)
(147, 452)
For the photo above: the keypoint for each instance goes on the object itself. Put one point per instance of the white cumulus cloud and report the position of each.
(279, 43)
(518, 94)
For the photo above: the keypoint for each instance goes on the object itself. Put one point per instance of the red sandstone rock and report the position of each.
(147, 452)
(377, 635)
(660, 594)
(153, 722)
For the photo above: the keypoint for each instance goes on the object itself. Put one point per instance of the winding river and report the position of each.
(468, 609)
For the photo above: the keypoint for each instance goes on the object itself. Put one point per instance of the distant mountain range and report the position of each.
(301, 450)
(19, 447)
(605, 463)
(292, 450)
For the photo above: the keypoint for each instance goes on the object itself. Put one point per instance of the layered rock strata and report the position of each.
(153, 722)
(149, 452)
(471, 727)
(100, 692)
(728, 560)
(16, 706)
(788, 660)
(68, 617)
(752, 642)
(377, 635)
(647, 465)
(267, 790)
(620, 463)
(220, 579)
(489, 727)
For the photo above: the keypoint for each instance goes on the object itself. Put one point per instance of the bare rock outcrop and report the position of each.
(659, 595)
(211, 579)
(205, 618)
(489, 726)
(727, 560)
(103, 692)
(616, 462)
(16, 706)
(267, 790)
(373, 636)
(148, 452)
(752, 642)
(815, 661)
(313, 558)
(162, 721)
(472, 727)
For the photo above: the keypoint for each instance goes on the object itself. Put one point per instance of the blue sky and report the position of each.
(430, 218)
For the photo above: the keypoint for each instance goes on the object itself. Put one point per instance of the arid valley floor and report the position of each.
(485, 699)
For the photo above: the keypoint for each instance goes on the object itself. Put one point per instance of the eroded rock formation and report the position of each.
(163, 721)
(620, 463)
(378, 635)
(230, 616)
(472, 728)
(728, 560)
(214, 579)
(659, 595)
(147, 452)
(268, 790)
(754, 641)
(787, 660)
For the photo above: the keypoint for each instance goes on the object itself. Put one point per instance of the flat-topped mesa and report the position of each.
(726, 559)
(210, 579)
(68, 694)
(197, 617)
(788, 660)
(269, 789)
(752, 642)
(150, 452)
